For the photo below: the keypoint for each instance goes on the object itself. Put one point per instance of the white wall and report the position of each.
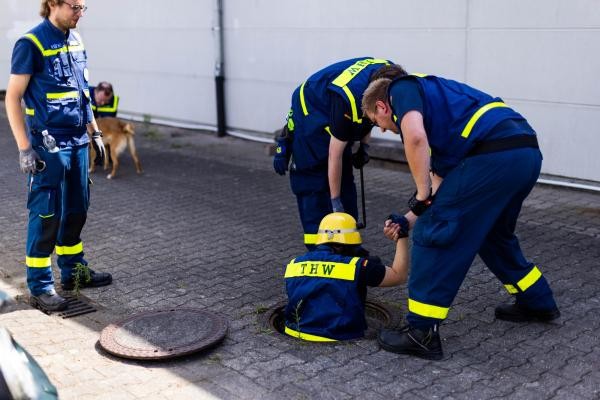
(16, 18)
(541, 56)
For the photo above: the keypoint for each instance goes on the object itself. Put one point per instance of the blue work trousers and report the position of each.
(311, 187)
(475, 211)
(58, 201)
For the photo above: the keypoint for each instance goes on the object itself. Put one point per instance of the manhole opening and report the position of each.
(378, 316)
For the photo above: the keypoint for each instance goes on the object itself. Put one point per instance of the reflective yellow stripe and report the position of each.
(349, 73)
(307, 336)
(328, 130)
(418, 74)
(30, 111)
(310, 238)
(352, 105)
(322, 269)
(112, 107)
(47, 216)
(67, 95)
(469, 127)
(35, 41)
(53, 52)
(529, 279)
(69, 250)
(38, 262)
(304, 110)
(511, 289)
(427, 310)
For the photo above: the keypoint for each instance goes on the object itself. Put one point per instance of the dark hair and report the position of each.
(106, 88)
(391, 71)
(45, 7)
(351, 250)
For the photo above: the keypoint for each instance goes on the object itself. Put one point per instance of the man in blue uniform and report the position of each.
(483, 159)
(327, 287)
(104, 101)
(323, 123)
(49, 72)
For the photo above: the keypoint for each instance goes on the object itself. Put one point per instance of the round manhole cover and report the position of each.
(163, 334)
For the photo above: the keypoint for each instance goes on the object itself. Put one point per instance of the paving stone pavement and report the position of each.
(209, 225)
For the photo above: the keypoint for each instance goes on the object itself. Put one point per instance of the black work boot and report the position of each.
(408, 340)
(84, 277)
(519, 313)
(49, 301)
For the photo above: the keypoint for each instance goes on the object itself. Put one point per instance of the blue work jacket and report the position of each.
(311, 106)
(58, 98)
(324, 303)
(456, 117)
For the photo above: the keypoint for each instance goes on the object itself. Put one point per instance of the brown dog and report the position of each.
(117, 135)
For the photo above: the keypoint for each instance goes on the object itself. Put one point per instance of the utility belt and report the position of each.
(507, 143)
(61, 131)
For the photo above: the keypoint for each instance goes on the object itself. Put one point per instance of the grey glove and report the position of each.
(30, 161)
(98, 147)
(336, 205)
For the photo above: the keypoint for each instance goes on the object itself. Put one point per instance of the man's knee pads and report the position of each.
(73, 225)
(47, 238)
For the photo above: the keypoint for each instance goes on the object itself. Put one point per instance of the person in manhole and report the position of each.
(49, 72)
(327, 287)
(483, 158)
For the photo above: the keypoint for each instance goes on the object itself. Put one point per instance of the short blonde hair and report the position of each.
(377, 90)
(45, 7)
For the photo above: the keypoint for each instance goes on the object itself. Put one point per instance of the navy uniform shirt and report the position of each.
(342, 127)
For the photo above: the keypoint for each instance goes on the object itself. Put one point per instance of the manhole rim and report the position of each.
(265, 319)
(108, 344)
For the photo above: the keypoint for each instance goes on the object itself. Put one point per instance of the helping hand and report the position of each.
(396, 227)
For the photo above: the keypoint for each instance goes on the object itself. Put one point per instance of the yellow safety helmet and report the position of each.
(338, 228)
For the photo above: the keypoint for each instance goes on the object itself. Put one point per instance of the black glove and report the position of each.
(30, 161)
(403, 222)
(283, 153)
(361, 157)
(418, 207)
(98, 147)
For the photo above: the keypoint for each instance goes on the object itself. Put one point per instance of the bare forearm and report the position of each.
(92, 126)
(334, 174)
(417, 155)
(334, 166)
(397, 274)
(400, 264)
(16, 120)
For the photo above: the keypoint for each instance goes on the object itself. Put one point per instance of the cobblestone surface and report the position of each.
(209, 225)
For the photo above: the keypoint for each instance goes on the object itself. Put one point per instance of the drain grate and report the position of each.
(76, 306)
